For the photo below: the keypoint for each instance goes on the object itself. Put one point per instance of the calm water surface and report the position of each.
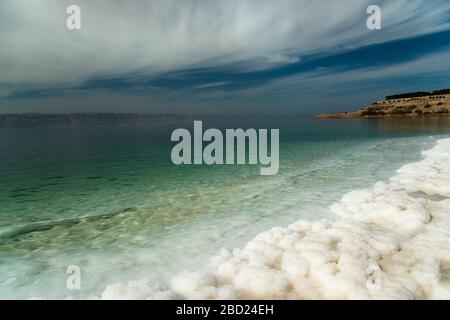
(109, 200)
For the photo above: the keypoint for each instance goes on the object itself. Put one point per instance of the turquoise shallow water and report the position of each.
(109, 199)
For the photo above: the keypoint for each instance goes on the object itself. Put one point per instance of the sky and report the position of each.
(218, 57)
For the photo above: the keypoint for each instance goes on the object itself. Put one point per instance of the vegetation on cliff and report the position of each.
(418, 94)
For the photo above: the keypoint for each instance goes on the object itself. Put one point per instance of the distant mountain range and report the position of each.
(82, 119)
(23, 120)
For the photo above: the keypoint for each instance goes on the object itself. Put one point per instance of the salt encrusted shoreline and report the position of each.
(391, 241)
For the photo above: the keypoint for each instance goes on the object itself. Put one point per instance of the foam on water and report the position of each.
(391, 241)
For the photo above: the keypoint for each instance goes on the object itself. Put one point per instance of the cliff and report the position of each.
(405, 105)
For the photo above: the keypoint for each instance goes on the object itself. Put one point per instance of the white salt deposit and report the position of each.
(389, 242)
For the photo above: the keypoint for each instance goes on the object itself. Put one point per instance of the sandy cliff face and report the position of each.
(434, 105)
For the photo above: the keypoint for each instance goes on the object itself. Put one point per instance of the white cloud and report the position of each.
(151, 37)
(435, 62)
(212, 85)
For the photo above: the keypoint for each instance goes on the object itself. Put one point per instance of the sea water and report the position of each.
(109, 200)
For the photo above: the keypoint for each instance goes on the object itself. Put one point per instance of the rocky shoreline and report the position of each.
(400, 106)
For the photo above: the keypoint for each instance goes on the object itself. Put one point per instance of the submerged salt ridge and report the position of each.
(389, 242)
